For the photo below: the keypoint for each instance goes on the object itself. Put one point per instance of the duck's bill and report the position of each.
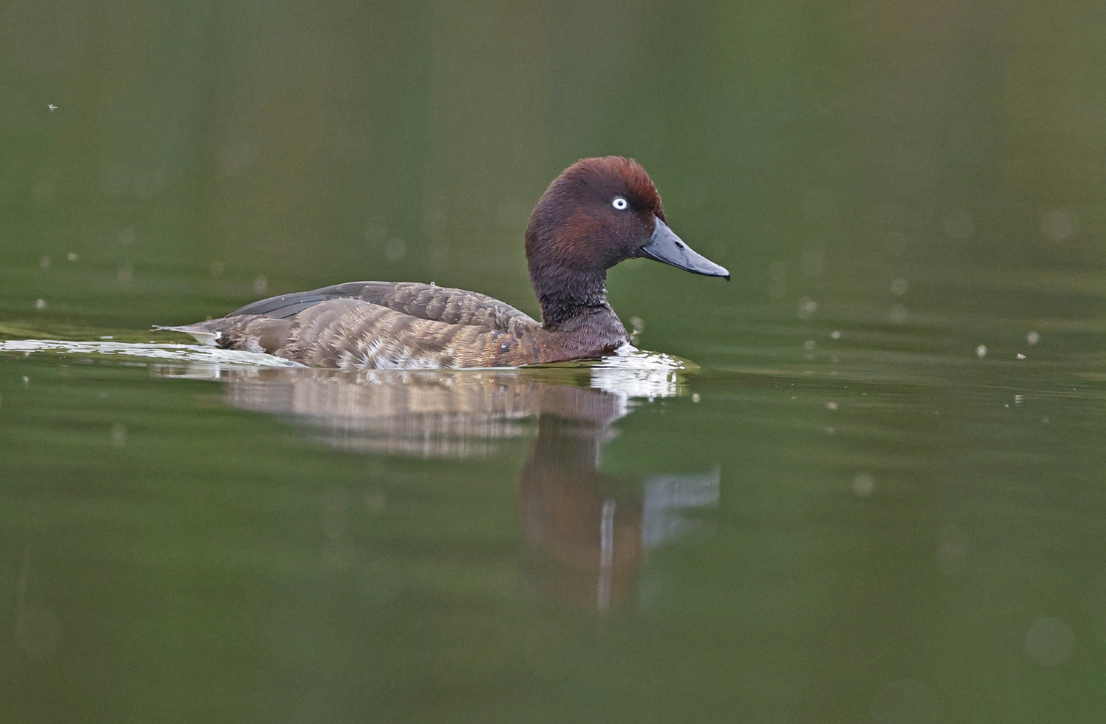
(665, 246)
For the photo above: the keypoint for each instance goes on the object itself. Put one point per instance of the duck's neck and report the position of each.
(574, 307)
(566, 294)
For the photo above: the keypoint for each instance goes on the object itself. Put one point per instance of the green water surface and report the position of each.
(878, 494)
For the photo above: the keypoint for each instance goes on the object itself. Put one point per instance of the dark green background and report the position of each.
(922, 177)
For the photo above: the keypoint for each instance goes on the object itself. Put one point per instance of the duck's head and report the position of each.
(598, 212)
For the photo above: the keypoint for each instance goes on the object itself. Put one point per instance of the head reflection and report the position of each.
(587, 532)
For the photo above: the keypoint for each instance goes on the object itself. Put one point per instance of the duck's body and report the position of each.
(402, 325)
(570, 244)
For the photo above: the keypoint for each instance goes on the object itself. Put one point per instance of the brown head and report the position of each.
(598, 212)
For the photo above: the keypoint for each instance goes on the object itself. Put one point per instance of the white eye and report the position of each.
(620, 203)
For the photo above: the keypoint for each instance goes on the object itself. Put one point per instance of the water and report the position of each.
(863, 482)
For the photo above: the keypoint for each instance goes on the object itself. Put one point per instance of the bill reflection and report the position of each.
(588, 533)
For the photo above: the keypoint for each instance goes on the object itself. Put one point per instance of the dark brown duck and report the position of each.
(599, 212)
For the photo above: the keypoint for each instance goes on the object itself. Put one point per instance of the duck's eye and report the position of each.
(620, 203)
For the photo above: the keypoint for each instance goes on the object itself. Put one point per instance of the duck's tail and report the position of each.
(201, 332)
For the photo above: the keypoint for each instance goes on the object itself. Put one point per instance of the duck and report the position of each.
(597, 213)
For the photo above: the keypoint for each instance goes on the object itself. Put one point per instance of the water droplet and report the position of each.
(395, 249)
(1060, 225)
(864, 485)
(952, 550)
(981, 351)
(1049, 641)
(1033, 338)
(40, 304)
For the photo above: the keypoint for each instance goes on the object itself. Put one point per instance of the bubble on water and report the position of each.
(395, 249)
(217, 268)
(1033, 338)
(905, 701)
(959, 224)
(810, 345)
(864, 485)
(899, 287)
(897, 314)
(40, 304)
(107, 336)
(260, 284)
(44, 262)
(26, 380)
(1060, 224)
(72, 256)
(125, 274)
(1019, 355)
(777, 270)
(831, 406)
(835, 335)
(118, 435)
(37, 632)
(831, 430)
(981, 351)
(695, 397)
(127, 237)
(952, 550)
(806, 308)
(1049, 641)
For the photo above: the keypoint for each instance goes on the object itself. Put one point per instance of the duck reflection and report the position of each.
(587, 532)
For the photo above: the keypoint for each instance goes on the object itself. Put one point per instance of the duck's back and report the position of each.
(380, 325)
